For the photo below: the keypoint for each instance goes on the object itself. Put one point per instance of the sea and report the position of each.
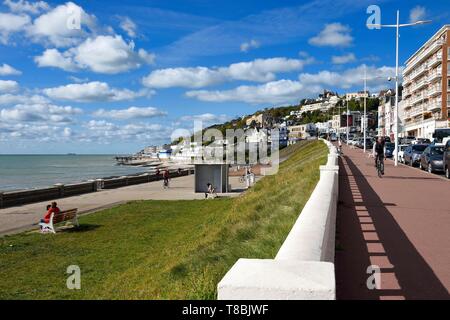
(19, 172)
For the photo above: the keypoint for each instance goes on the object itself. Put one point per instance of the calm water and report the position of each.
(34, 171)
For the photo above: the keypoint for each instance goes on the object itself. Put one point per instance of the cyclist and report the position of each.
(379, 151)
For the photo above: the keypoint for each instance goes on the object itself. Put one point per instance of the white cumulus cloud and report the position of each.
(376, 77)
(7, 70)
(8, 86)
(92, 92)
(259, 70)
(247, 46)
(130, 113)
(334, 35)
(34, 7)
(12, 23)
(56, 59)
(12, 99)
(277, 92)
(346, 58)
(206, 118)
(102, 54)
(128, 25)
(39, 113)
(63, 26)
(417, 13)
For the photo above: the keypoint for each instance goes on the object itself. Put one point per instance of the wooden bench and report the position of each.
(68, 215)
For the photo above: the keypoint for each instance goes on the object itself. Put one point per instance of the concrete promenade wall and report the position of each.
(16, 198)
(303, 269)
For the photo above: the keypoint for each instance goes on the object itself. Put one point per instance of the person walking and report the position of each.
(166, 177)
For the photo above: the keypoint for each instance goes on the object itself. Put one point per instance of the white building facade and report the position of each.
(426, 87)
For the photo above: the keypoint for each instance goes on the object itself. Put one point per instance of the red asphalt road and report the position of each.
(400, 222)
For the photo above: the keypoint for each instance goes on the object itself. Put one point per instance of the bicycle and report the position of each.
(380, 166)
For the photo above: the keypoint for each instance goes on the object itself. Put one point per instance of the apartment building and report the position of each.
(259, 119)
(321, 104)
(356, 95)
(302, 131)
(426, 98)
(386, 113)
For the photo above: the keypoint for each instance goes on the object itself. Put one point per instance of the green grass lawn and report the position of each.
(162, 249)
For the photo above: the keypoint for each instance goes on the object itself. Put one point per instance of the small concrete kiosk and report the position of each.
(216, 174)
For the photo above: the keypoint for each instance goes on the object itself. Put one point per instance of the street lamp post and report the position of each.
(365, 108)
(397, 27)
(364, 117)
(347, 121)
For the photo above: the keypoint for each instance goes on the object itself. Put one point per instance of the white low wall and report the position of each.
(304, 265)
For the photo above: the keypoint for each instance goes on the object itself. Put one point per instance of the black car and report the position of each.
(389, 149)
(447, 159)
(432, 159)
(412, 153)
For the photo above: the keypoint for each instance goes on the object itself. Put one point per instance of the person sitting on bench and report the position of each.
(53, 208)
(211, 191)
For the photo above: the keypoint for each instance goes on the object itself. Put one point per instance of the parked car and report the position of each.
(369, 143)
(333, 137)
(412, 154)
(401, 150)
(421, 141)
(360, 143)
(407, 140)
(354, 141)
(389, 149)
(432, 159)
(446, 159)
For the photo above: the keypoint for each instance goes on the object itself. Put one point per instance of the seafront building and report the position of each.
(426, 87)
(324, 102)
(301, 131)
(356, 95)
(258, 119)
(386, 113)
(321, 105)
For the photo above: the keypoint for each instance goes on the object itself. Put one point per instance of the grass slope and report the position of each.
(162, 249)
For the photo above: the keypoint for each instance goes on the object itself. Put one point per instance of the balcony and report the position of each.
(425, 53)
(406, 81)
(417, 111)
(434, 105)
(406, 93)
(435, 60)
(419, 85)
(407, 103)
(418, 72)
(435, 90)
(417, 99)
(436, 75)
(407, 115)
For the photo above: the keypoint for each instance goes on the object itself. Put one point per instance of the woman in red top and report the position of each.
(53, 209)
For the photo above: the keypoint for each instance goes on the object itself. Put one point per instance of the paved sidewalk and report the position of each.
(15, 219)
(400, 222)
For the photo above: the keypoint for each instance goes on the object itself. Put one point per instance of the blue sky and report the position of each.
(97, 77)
